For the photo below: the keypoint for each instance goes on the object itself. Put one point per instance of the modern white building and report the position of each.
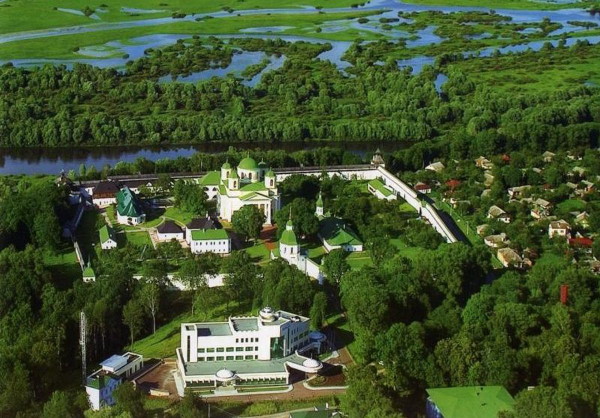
(114, 370)
(129, 208)
(246, 351)
(169, 230)
(203, 235)
(250, 183)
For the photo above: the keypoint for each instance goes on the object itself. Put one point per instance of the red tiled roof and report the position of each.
(581, 242)
(453, 183)
(422, 186)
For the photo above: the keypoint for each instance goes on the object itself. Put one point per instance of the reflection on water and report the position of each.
(53, 160)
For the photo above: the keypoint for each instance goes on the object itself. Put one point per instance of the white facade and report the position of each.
(109, 244)
(245, 350)
(219, 246)
(103, 202)
(101, 384)
(179, 236)
(131, 220)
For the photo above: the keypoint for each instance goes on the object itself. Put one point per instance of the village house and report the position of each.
(107, 238)
(583, 244)
(496, 241)
(436, 167)
(481, 230)
(509, 258)
(548, 156)
(88, 274)
(484, 163)
(517, 192)
(541, 209)
(559, 228)
(101, 384)
(495, 212)
(422, 188)
(169, 230)
(582, 219)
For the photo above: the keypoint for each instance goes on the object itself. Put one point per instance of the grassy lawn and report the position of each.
(87, 234)
(344, 335)
(167, 337)
(29, 15)
(405, 250)
(259, 408)
(260, 253)
(571, 205)
(181, 216)
(358, 260)
(63, 46)
(406, 208)
(138, 238)
(63, 266)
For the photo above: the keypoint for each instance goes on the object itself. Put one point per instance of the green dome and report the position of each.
(233, 175)
(320, 201)
(270, 174)
(248, 164)
(289, 224)
(288, 237)
(226, 166)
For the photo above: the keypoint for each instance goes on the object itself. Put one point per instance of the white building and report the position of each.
(559, 228)
(169, 230)
(249, 184)
(129, 208)
(104, 193)
(380, 190)
(245, 351)
(203, 235)
(495, 212)
(114, 370)
(108, 239)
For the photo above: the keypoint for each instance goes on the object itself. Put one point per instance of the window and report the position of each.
(229, 358)
(237, 340)
(256, 348)
(201, 350)
(200, 358)
(220, 358)
(249, 348)
(249, 357)
(239, 357)
(229, 349)
(220, 350)
(239, 349)
(210, 350)
(210, 359)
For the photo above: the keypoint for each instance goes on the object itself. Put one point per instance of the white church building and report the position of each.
(250, 183)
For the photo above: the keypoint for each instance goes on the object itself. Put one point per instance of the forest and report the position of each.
(306, 99)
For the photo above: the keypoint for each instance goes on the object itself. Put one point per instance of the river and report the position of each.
(53, 160)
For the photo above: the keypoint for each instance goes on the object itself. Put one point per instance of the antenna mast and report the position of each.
(83, 344)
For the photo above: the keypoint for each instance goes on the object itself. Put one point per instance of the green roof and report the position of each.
(336, 233)
(226, 165)
(248, 164)
(89, 272)
(312, 414)
(251, 195)
(253, 187)
(128, 203)
(233, 175)
(209, 234)
(106, 233)
(471, 401)
(241, 366)
(100, 381)
(212, 178)
(320, 201)
(270, 173)
(288, 237)
(379, 186)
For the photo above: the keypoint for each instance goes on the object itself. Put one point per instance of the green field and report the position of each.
(63, 46)
(27, 15)
(139, 238)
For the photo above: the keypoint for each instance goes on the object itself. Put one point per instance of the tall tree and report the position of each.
(248, 221)
(150, 294)
(133, 317)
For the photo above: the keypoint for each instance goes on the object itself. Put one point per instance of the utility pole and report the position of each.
(83, 343)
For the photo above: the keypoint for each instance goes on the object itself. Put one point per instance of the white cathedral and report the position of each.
(250, 183)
